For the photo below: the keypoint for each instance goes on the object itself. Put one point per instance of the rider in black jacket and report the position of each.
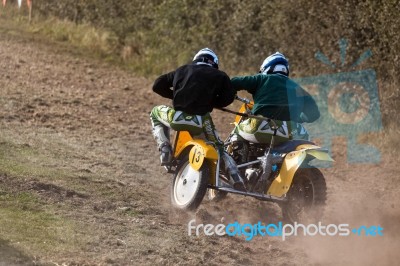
(195, 89)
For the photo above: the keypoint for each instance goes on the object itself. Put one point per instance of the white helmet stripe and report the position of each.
(206, 51)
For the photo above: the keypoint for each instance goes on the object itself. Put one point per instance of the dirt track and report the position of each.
(84, 130)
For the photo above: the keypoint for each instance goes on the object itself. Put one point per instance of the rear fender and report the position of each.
(292, 162)
(316, 151)
(199, 154)
(199, 150)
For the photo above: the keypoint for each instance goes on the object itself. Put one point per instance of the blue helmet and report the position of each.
(206, 56)
(275, 63)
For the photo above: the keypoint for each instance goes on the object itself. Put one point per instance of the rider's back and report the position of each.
(279, 97)
(197, 89)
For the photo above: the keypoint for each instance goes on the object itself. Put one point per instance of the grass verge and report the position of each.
(29, 225)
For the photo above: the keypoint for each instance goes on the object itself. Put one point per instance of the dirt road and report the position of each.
(80, 182)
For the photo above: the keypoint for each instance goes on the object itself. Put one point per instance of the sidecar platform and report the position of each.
(258, 196)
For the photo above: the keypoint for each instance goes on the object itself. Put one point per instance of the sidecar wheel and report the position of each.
(306, 197)
(189, 185)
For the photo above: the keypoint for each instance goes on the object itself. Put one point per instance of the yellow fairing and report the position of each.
(280, 186)
(316, 152)
(182, 137)
(198, 152)
(243, 109)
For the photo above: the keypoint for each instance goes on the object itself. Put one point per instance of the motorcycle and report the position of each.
(275, 173)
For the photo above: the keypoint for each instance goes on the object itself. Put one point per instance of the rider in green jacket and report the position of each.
(278, 97)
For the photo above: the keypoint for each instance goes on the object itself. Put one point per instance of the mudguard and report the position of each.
(293, 160)
(199, 150)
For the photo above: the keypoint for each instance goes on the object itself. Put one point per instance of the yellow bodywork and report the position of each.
(199, 150)
(280, 186)
(243, 109)
(293, 160)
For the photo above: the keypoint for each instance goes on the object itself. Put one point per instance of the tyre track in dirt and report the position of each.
(93, 119)
(97, 118)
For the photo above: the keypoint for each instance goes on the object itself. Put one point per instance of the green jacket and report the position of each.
(278, 97)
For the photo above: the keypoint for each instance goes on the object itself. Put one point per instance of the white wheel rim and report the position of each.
(186, 185)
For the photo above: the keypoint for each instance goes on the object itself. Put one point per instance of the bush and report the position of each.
(156, 36)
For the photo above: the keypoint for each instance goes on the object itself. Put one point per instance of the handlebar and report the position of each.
(243, 100)
(247, 101)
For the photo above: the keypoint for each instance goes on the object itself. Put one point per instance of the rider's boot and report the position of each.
(165, 153)
(161, 134)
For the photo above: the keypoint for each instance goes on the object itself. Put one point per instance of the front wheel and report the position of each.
(189, 185)
(306, 197)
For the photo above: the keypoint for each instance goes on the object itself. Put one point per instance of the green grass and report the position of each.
(101, 42)
(24, 160)
(26, 223)
(81, 39)
(43, 154)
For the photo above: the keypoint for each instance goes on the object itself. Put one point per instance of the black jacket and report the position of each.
(196, 88)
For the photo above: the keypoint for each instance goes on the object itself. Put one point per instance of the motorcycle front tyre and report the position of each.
(189, 186)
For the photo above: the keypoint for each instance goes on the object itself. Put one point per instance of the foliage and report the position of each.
(156, 36)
